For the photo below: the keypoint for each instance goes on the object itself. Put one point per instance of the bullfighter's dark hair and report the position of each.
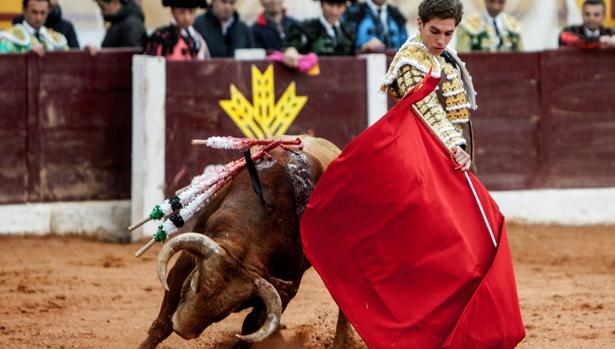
(595, 2)
(25, 2)
(430, 9)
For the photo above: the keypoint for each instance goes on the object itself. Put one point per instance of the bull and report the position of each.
(244, 254)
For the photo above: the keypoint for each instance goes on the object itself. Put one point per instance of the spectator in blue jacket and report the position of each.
(271, 27)
(377, 25)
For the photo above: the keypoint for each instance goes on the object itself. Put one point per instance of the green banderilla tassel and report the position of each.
(156, 213)
(160, 235)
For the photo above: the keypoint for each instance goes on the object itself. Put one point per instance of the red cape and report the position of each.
(396, 234)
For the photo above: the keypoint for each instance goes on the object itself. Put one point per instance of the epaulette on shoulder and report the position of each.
(511, 23)
(473, 23)
(311, 27)
(164, 30)
(163, 33)
(17, 34)
(57, 37)
(417, 53)
(416, 56)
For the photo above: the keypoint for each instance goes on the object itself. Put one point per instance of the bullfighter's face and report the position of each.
(437, 33)
(494, 7)
(184, 17)
(35, 13)
(333, 11)
(593, 16)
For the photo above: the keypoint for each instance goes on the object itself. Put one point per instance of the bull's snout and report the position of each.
(183, 328)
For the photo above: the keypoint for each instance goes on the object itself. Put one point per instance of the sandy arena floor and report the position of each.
(75, 293)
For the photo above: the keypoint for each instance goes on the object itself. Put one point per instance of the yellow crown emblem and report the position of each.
(264, 118)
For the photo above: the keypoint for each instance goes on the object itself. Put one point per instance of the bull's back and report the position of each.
(319, 148)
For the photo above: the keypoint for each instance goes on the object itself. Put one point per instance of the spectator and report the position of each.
(271, 27)
(377, 26)
(592, 33)
(179, 40)
(127, 23)
(223, 30)
(325, 35)
(56, 22)
(491, 30)
(32, 35)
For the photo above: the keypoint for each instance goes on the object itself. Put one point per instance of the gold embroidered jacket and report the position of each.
(446, 108)
(477, 32)
(18, 39)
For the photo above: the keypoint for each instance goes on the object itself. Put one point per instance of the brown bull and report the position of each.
(241, 249)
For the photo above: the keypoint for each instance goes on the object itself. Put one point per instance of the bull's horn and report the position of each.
(193, 242)
(272, 301)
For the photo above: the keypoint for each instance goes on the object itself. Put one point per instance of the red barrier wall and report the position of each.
(578, 119)
(13, 129)
(506, 124)
(68, 130)
(545, 120)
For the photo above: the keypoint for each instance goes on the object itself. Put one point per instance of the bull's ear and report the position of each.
(195, 280)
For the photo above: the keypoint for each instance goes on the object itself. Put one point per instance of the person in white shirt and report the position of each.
(32, 35)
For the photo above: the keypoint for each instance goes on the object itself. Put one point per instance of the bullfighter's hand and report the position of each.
(92, 50)
(607, 41)
(38, 49)
(291, 57)
(373, 45)
(462, 158)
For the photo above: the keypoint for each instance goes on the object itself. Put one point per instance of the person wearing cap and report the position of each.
(326, 35)
(378, 25)
(179, 41)
(32, 35)
(222, 29)
(491, 30)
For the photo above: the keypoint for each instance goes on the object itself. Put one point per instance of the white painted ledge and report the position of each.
(377, 103)
(148, 138)
(558, 206)
(106, 220)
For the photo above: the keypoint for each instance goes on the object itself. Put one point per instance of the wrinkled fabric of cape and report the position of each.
(396, 235)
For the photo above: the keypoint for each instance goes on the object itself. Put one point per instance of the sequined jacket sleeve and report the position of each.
(406, 71)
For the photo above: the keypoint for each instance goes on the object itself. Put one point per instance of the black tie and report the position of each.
(497, 32)
(338, 33)
(39, 37)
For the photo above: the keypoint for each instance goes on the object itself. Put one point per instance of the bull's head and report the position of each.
(215, 288)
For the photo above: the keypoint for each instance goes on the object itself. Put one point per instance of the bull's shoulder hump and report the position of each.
(321, 149)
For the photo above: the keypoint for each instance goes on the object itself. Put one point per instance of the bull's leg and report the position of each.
(251, 323)
(162, 327)
(343, 332)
